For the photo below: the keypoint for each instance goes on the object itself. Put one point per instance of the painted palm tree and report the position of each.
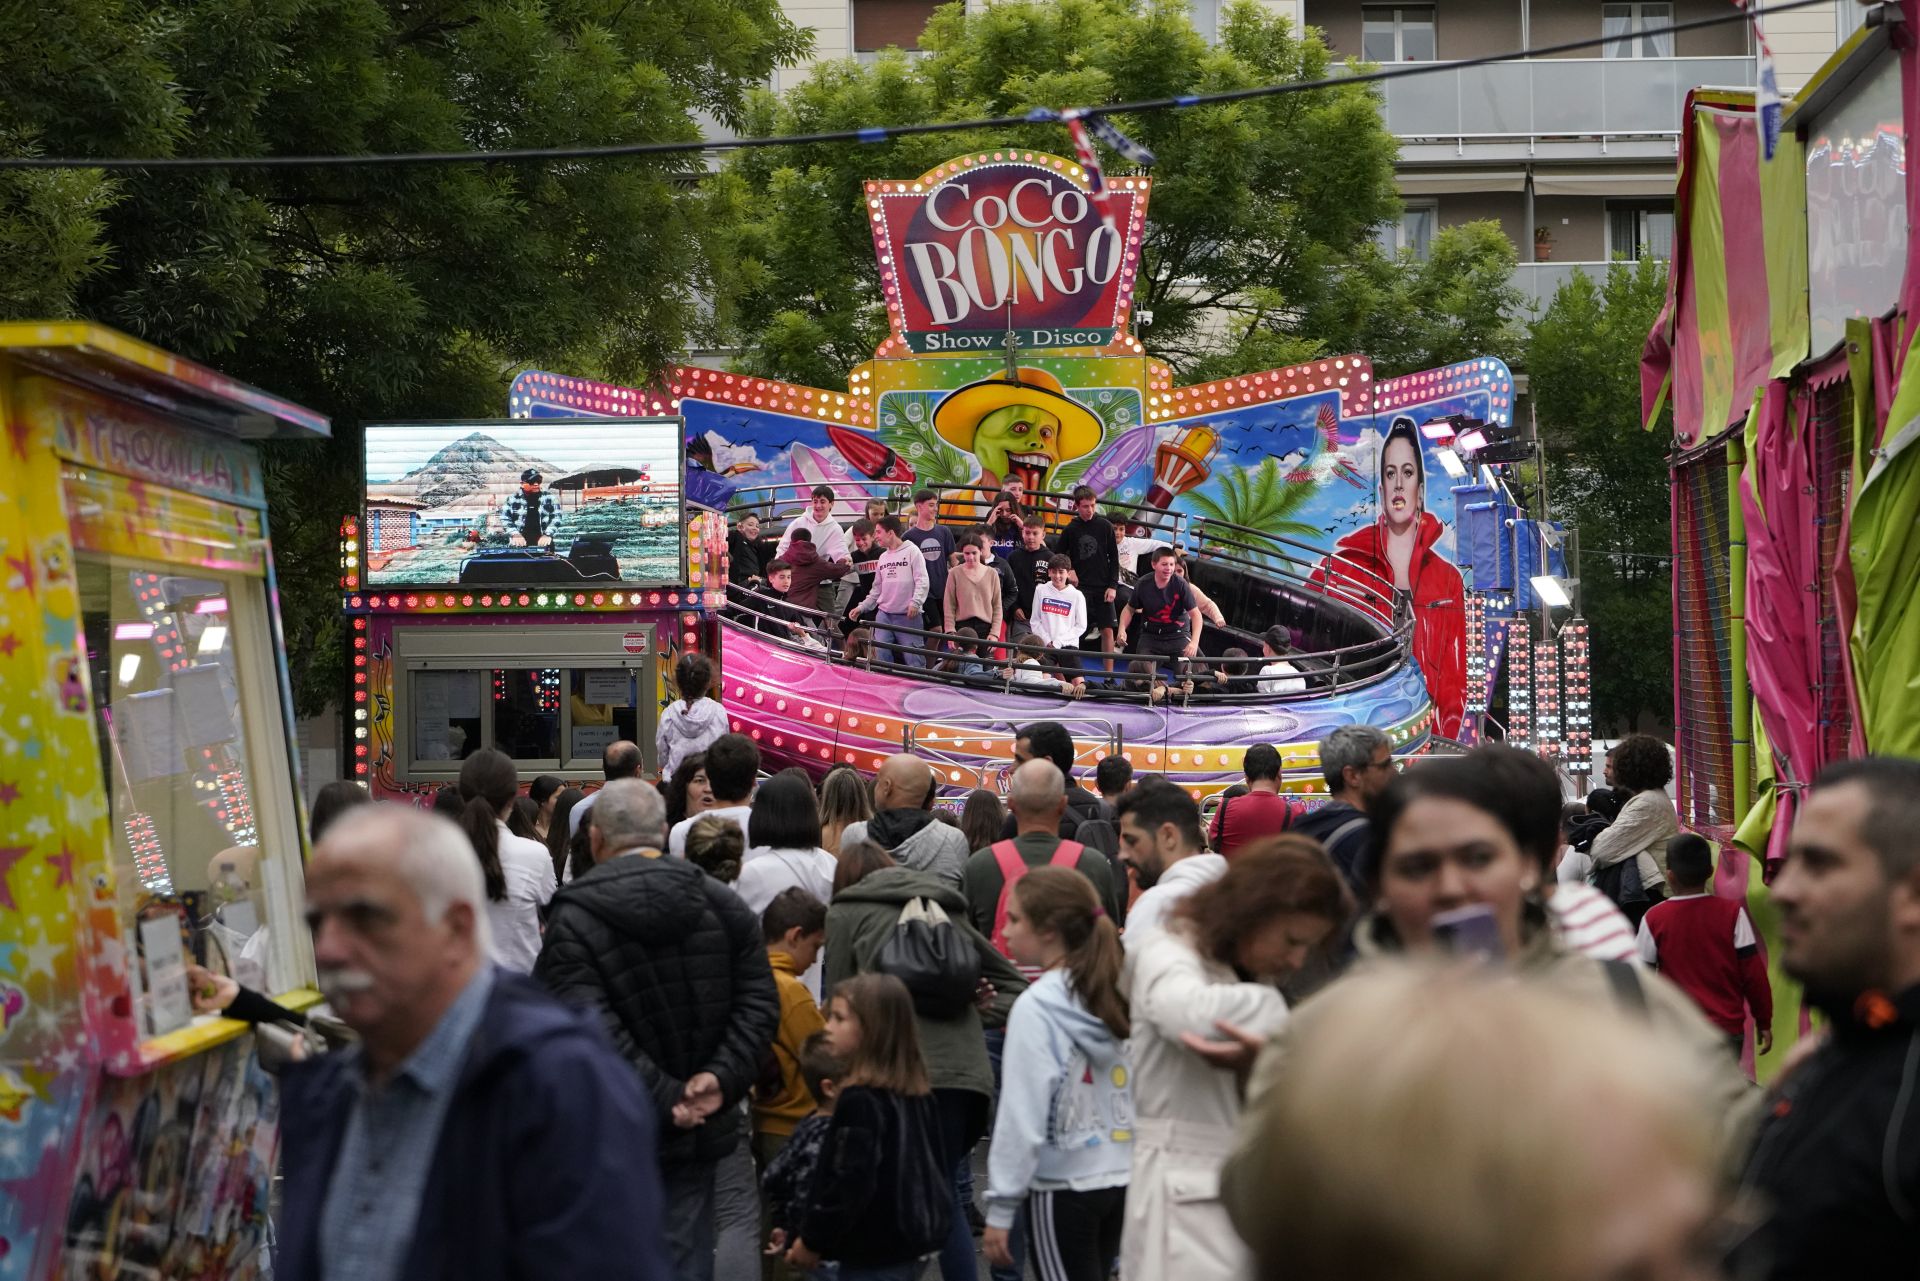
(1261, 500)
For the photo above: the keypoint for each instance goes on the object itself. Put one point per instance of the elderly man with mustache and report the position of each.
(480, 1129)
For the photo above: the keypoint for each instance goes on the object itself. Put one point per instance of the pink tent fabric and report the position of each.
(1783, 600)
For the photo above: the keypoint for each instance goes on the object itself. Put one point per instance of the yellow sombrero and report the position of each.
(957, 418)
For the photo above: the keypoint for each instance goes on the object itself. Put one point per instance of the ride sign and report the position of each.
(1001, 240)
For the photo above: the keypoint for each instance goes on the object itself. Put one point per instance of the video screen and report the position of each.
(555, 503)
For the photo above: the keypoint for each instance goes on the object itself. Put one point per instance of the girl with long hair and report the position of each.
(845, 799)
(982, 817)
(559, 826)
(880, 1197)
(690, 724)
(518, 871)
(1063, 1132)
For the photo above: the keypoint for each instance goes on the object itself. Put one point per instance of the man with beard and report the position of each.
(1160, 841)
(470, 1087)
(1837, 1156)
(903, 823)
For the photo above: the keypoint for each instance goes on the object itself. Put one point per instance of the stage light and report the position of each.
(1520, 682)
(129, 668)
(132, 631)
(212, 639)
(1546, 699)
(1437, 429)
(1470, 442)
(1551, 590)
(1450, 463)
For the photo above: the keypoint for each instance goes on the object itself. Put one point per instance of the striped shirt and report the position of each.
(1589, 922)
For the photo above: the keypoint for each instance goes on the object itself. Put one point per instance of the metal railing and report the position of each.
(1554, 97)
(1540, 281)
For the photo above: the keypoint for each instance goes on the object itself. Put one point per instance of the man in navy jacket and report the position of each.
(481, 1129)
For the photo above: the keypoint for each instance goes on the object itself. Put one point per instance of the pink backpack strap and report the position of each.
(1012, 868)
(1068, 855)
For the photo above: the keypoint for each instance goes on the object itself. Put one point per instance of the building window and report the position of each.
(1634, 26)
(1413, 232)
(890, 24)
(1643, 230)
(1847, 19)
(1397, 33)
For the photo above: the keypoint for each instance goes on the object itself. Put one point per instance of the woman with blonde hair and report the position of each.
(1446, 1125)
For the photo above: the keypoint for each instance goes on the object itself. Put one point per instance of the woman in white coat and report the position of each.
(1224, 950)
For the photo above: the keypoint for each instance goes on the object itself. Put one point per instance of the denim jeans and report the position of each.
(736, 1213)
(887, 642)
(689, 1220)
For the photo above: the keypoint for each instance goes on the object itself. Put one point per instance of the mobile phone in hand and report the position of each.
(1470, 931)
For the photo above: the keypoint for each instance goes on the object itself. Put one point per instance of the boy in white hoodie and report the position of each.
(691, 724)
(1063, 1126)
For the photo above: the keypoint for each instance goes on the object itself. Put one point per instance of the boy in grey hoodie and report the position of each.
(903, 823)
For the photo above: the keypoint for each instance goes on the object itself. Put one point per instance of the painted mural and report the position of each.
(1318, 473)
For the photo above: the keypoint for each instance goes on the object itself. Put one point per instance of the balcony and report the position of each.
(1540, 281)
(1551, 108)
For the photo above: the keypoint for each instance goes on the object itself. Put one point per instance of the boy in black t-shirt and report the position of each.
(1028, 562)
(1169, 616)
(1088, 542)
(866, 552)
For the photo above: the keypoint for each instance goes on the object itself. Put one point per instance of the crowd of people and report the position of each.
(1003, 601)
(768, 1024)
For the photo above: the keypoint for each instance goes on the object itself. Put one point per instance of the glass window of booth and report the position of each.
(555, 709)
(193, 758)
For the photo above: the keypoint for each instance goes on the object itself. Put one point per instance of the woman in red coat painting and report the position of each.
(1398, 549)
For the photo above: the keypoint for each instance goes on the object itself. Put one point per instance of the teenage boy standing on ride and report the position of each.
(935, 542)
(828, 538)
(1170, 626)
(1089, 543)
(1029, 564)
(899, 593)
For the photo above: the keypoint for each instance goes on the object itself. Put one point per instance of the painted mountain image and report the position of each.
(472, 465)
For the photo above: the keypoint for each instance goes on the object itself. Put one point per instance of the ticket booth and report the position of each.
(149, 815)
(520, 585)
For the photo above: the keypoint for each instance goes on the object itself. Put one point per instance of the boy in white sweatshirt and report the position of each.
(1059, 613)
(899, 590)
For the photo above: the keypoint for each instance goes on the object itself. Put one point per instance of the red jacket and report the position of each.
(810, 569)
(1706, 945)
(1439, 608)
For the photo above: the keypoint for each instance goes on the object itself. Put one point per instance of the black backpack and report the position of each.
(933, 957)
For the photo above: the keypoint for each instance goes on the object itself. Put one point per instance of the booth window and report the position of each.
(553, 712)
(166, 651)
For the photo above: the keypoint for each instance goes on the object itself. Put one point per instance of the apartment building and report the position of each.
(861, 28)
(1573, 153)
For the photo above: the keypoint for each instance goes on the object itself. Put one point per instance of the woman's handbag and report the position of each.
(933, 957)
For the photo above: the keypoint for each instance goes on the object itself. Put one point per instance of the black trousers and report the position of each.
(1075, 1236)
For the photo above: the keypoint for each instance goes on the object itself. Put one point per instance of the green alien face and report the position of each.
(1019, 442)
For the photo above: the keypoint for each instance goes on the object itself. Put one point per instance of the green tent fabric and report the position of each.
(1884, 547)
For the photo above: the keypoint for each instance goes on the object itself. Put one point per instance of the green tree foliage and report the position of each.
(370, 292)
(1608, 478)
(1257, 498)
(1252, 200)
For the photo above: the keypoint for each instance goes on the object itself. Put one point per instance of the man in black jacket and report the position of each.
(1357, 763)
(1837, 1156)
(674, 963)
